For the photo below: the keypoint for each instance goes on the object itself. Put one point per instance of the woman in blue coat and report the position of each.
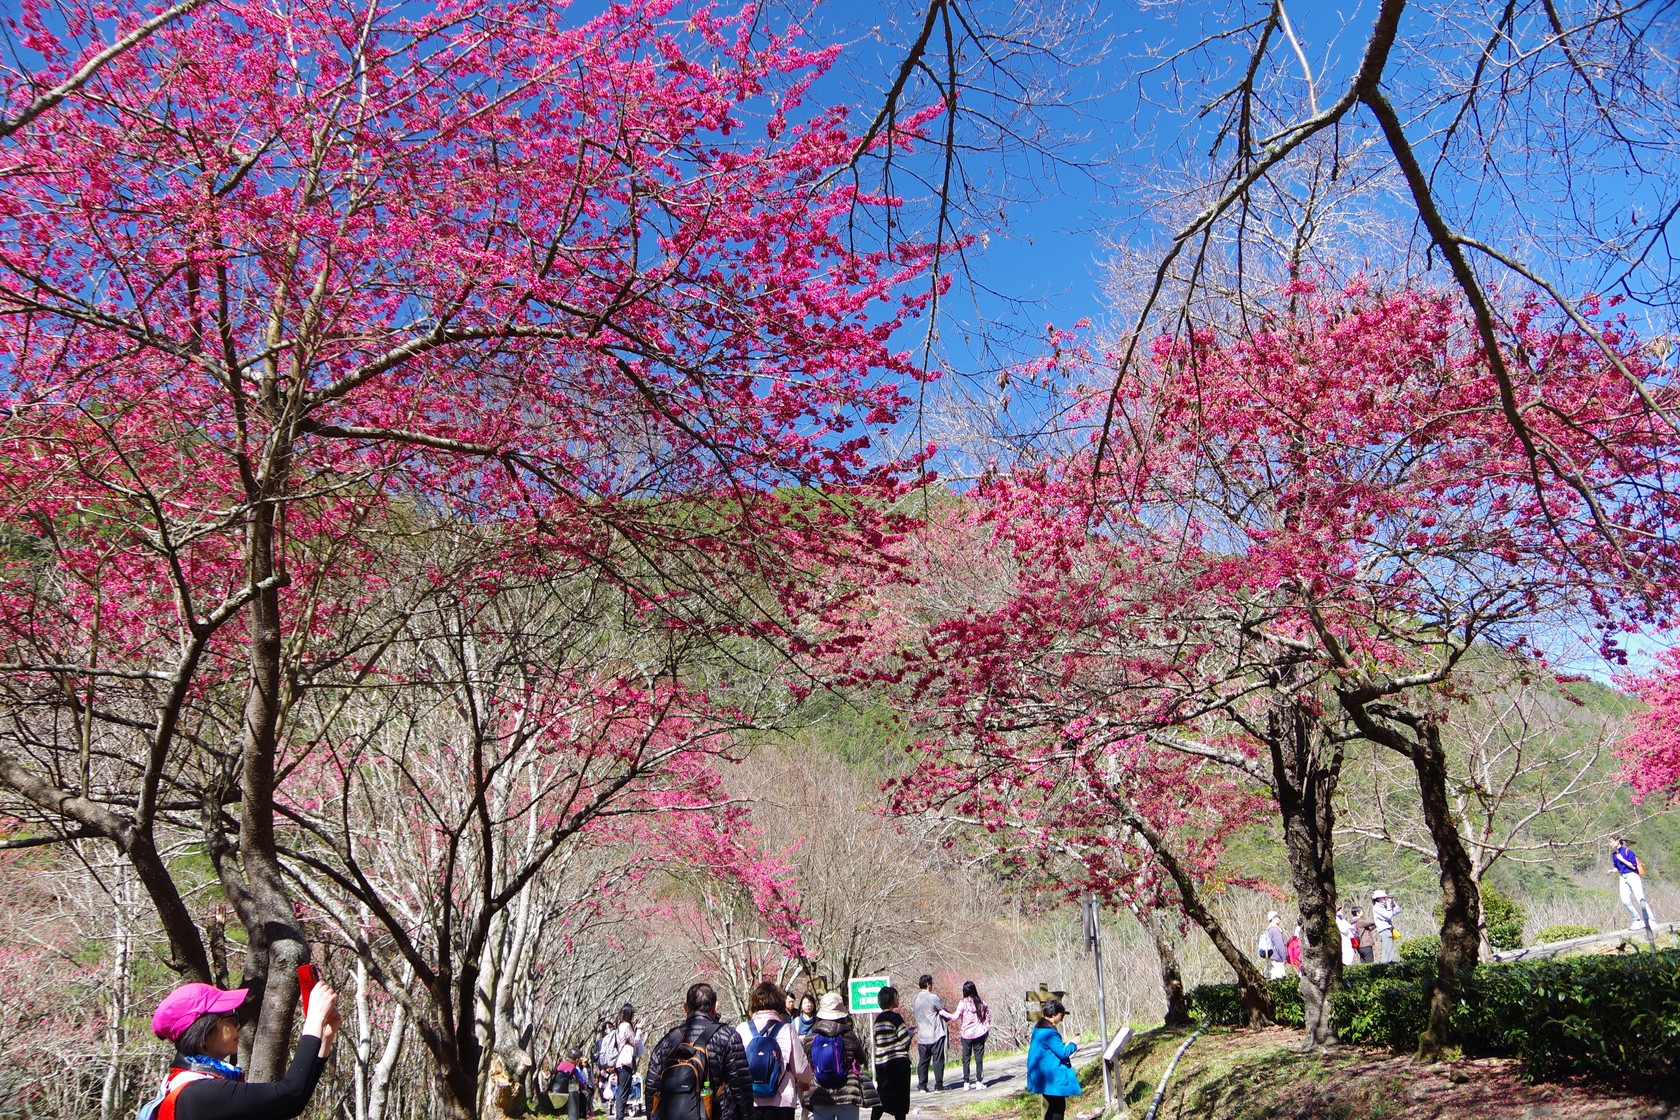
(1050, 1061)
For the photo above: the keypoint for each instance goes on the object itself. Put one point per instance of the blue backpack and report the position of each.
(828, 1059)
(764, 1059)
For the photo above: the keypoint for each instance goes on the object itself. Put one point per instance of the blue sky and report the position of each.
(1123, 130)
(1125, 127)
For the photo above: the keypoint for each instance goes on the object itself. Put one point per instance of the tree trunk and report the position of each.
(277, 947)
(1251, 986)
(379, 1078)
(1305, 769)
(457, 1073)
(1460, 904)
(1461, 907)
(122, 949)
(1172, 979)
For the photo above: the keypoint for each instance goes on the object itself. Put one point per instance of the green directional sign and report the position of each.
(864, 994)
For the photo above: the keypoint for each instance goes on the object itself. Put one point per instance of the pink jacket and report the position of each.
(797, 1074)
(974, 1019)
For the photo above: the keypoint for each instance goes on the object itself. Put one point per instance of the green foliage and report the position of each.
(1564, 932)
(1505, 918)
(1380, 1004)
(1217, 1004)
(1220, 1004)
(1387, 1007)
(1424, 947)
(1604, 1016)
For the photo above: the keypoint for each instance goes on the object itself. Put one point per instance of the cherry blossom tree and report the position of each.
(1315, 523)
(1352, 456)
(1474, 134)
(285, 288)
(1004, 652)
(1651, 751)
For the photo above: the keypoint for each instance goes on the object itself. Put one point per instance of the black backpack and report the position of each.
(684, 1089)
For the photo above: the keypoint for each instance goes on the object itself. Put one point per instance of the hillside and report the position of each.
(1247, 1075)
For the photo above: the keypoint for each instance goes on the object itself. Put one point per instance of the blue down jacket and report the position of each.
(1050, 1063)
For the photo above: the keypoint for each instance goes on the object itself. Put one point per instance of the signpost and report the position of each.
(864, 999)
(1093, 943)
(864, 994)
(1111, 1054)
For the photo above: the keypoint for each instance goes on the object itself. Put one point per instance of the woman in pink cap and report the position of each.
(204, 1084)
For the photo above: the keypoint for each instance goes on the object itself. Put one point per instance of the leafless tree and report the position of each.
(439, 795)
(1531, 143)
(1531, 779)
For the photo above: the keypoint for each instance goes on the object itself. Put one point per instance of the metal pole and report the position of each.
(1094, 927)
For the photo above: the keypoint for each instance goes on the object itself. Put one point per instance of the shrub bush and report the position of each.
(1505, 919)
(1380, 1004)
(1606, 1016)
(1389, 1009)
(1421, 948)
(1565, 932)
(1220, 1005)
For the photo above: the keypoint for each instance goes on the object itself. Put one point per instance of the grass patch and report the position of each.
(1010, 1104)
(1030, 1106)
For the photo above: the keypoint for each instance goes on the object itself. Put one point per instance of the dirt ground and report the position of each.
(1268, 1075)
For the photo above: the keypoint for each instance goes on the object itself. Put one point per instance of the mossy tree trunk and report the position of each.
(1306, 765)
(1418, 737)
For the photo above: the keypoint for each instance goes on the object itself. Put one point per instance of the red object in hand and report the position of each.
(308, 977)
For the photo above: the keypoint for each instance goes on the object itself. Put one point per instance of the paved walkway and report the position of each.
(1004, 1077)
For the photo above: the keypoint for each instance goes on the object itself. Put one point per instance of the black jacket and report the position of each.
(211, 1098)
(726, 1064)
(859, 1089)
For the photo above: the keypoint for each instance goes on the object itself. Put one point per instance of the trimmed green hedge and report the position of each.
(1424, 947)
(1606, 1016)
(1599, 1015)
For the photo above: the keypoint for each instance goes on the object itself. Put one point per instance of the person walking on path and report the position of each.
(1292, 951)
(1365, 932)
(892, 1057)
(974, 1023)
(775, 1056)
(568, 1086)
(931, 1017)
(840, 1064)
(1350, 955)
(204, 1084)
(726, 1058)
(1050, 1061)
(628, 1042)
(806, 1021)
(1384, 907)
(1626, 865)
(1273, 947)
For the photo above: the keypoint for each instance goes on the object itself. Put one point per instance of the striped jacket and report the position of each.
(892, 1037)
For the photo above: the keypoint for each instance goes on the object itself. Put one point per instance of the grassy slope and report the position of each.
(1246, 1075)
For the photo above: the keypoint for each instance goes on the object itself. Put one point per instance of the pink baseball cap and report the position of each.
(185, 1004)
